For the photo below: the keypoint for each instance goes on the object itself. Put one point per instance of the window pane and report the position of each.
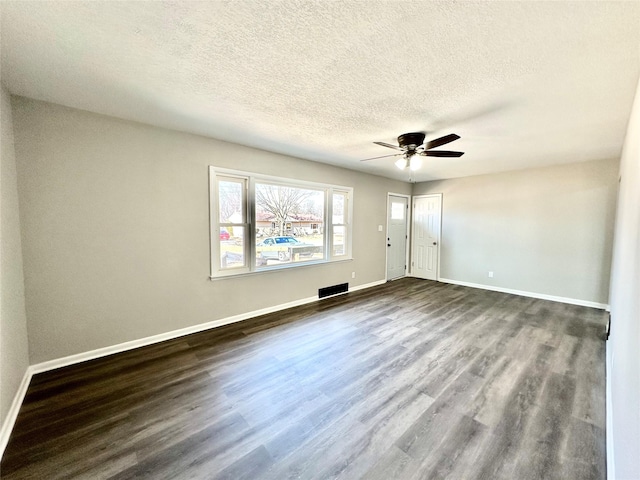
(339, 240)
(289, 224)
(232, 247)
(339, 208)
(230, 204)
(397, 211)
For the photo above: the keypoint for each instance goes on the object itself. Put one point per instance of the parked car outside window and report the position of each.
(284, 248)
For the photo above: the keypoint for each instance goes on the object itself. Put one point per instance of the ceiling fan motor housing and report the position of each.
(411, 141)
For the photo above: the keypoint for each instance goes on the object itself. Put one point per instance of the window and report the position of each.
(263, 223)
(397, 210)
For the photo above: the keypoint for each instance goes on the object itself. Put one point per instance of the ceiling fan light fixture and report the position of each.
(402, 163)
(415, 163)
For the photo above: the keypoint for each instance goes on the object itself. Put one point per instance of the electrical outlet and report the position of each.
(353, 274)
(490, 274)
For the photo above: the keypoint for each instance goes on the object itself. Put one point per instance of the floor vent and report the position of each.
(333, 290)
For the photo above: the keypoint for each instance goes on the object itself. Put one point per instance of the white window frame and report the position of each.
(249, 224)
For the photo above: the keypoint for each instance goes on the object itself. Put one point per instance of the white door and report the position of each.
(397, 209)
(426, 236)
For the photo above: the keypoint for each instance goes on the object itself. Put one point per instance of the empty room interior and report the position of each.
(314, 240)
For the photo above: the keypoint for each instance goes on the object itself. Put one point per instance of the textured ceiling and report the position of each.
(523, 83)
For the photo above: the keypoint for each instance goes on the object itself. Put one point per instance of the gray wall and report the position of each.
(115, 226)
(623, 349)
(546, 231)
(14, 356)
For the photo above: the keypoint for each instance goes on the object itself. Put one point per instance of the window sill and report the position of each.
(279, 268)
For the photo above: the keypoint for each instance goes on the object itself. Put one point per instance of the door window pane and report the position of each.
(397, 211)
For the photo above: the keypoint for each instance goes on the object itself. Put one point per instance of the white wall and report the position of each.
(115, 228)
(623, 348)
(546, 231)
(14, 356)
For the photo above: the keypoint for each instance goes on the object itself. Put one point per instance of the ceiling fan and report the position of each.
(411, 144)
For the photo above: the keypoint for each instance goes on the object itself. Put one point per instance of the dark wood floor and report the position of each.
(412, 379)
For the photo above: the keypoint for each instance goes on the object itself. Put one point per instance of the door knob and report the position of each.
(435, 243)
(388, 244)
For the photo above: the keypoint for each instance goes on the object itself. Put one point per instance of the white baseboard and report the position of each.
(367, 285)
(123, 347)
(611, 466)
(542, 296)
(12, 414)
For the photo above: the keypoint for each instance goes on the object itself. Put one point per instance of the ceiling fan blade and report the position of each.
(388, 145)
(441, 153)
(383, 156)
(441, 141)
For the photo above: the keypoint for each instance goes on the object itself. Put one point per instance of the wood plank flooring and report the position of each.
(410, 380)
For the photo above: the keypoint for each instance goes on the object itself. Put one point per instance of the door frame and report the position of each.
(439, 231)
(407, 252)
